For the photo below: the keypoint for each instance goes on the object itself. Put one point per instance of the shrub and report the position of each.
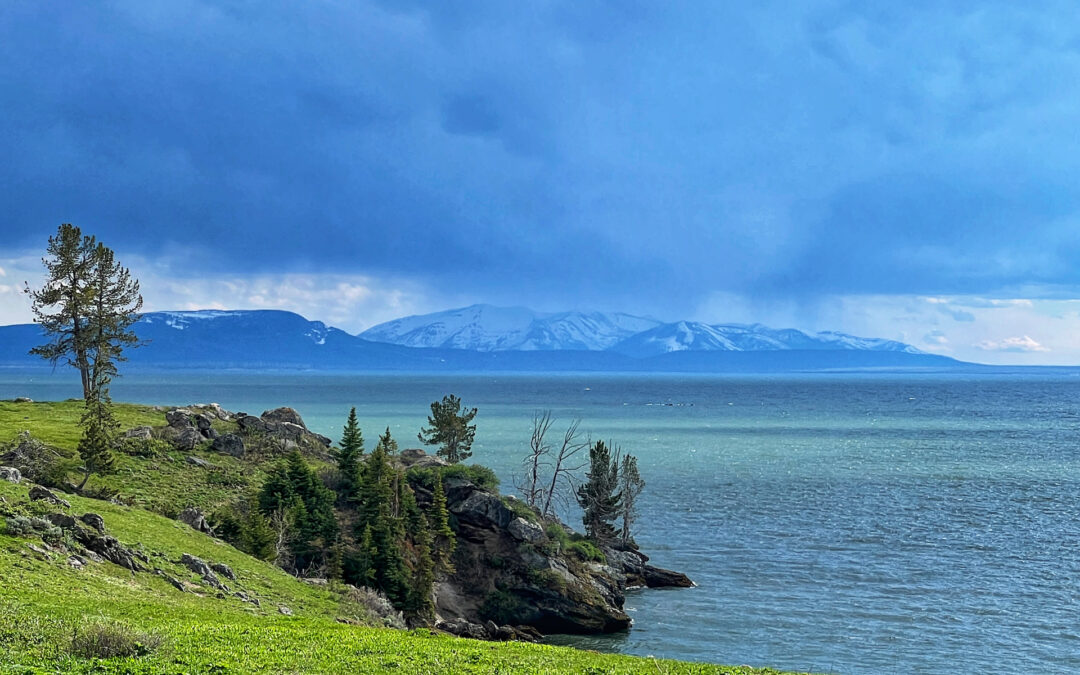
(586, 551)
(503, 607)
(226, 478)
(480, 476)
(142, 447)
(370, 607)
(547, 579)
(521, 509)
(18, 526)
(109, 639)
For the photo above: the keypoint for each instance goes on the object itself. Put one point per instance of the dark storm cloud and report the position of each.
(579, 152)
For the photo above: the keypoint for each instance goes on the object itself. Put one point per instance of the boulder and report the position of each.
(202, 423)
(38, 493)
(523, 530)
(178, 418)
(285, 610)
(483, 509)
(142, 433)
(23, 399)
(250, 424)
(196, 565)
(10, 473)
(182, 438)
(224, 570)
(229, 444)
(284, 416)
(197, 521)
(95, 521)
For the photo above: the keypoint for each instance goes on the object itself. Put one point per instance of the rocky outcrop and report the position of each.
(95, 521)
(506, 571)
(634, 564)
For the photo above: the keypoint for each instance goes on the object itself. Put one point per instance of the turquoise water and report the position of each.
(855, 524)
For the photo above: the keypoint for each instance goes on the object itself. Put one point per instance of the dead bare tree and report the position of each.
(532, 488)
(564, 467)
(281, 522)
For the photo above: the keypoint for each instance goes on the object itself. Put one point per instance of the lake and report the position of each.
(833, 523)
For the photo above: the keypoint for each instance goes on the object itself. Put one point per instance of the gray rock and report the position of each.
(176, 583)
(112, 550)
(10, 473)
(182, 438)
(179, 418)
(202, 423)
(143, 433)
(196, 565)
(211, 580)
(284, 415)
(77, 561)
(250, 424)
(229, 444)
(523, 530)
(483, 509)
(23, 399)
(196, 520)
(95, 521)
(38, 493)
(290, 432)
(201, 463)
(285, 610)
(224, 570)
(323, 440)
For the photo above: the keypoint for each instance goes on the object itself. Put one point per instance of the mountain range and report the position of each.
(484, 338)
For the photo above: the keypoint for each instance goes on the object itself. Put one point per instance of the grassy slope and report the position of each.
(43, 600)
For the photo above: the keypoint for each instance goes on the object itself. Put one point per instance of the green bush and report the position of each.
(586, 551)
(480, 476)
(110, 640)
(521, 509)
(503, 607)
(142, 447)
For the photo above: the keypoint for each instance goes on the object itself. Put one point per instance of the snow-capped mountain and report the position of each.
(485, 328)
(479, 339)
(693, 336)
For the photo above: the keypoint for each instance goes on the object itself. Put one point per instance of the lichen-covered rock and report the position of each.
(523, 530)
(184, 438)
(179, 418)
(10, 474)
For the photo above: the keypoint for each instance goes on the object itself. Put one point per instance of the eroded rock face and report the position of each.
(505, 561)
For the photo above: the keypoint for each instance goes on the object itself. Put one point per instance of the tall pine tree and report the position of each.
(348, 458)
(597, 496)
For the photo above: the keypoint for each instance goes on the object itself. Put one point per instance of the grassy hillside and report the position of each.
(45, 601)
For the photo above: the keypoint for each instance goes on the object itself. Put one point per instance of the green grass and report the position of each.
(44, 601)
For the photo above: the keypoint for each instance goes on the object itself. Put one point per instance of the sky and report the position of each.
(899, 170)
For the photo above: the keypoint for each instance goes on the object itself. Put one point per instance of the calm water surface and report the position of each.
(844, 523)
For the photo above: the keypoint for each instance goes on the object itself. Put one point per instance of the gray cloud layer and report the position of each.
(598, 153)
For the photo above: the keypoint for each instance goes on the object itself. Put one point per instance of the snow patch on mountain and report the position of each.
(486, 328)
